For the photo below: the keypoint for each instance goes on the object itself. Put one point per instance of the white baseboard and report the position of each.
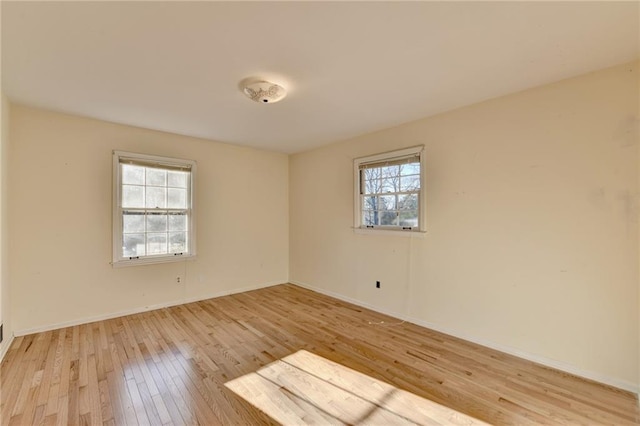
(558, 365)
(4, 346)
(138, 310)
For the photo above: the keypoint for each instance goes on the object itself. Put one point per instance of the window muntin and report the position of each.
(153, 213)
(389, 191)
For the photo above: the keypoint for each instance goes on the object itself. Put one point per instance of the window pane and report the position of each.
(369, 217)
(390, 171)
(156, 223)
(408, 202)
(177, 198)
(390, 189)
(177, 242)
(390, 185)
(388, 218)
(410, 169)
(372, 173)
(177, 179)
(156, 177)
(370, 203)
(387, 202)
(372, 186)
(409, 218)
(156, 198)
(133, 222)
(132, 196)
(133, 245)
(133, 175)
(410, 183)
(177, 222)
(157, 243)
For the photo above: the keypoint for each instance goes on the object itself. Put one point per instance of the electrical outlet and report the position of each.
(178, 280)
(377, 284)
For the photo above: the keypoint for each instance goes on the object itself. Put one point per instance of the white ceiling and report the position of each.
(350, 67)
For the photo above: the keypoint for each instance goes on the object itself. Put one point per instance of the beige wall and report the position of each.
(60, 187)
(532, 218)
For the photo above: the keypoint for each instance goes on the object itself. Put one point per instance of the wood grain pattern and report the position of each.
(177, 366)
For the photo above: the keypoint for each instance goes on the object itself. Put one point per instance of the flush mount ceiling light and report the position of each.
(264, 92)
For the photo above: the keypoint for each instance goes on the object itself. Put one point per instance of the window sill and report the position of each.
(390, 232)
(151, 261)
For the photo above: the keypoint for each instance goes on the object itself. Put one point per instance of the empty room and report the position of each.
(239, 213)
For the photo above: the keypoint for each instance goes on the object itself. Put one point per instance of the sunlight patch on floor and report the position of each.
(306, 388)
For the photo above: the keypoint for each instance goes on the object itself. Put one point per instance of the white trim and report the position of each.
(378, 231)
(399, 153)
(357, 210)
(168, 161)
(116, 259)
(87, 320)
(152, 260)
(548, 362)
(4, 346)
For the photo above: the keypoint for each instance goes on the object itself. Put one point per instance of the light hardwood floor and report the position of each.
(299, 356)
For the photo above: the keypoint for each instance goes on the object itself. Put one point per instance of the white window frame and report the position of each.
(152, 160)
(400, 154)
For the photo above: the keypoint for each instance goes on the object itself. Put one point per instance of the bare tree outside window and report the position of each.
(391, 194)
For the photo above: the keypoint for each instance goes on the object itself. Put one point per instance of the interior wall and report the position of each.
(532, 225)
(60, 187)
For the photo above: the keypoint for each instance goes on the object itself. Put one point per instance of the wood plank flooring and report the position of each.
(284, 355)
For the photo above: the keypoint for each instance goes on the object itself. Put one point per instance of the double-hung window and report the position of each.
(389, 191)
(153, 215)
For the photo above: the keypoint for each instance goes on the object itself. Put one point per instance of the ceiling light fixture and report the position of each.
(264, 92)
